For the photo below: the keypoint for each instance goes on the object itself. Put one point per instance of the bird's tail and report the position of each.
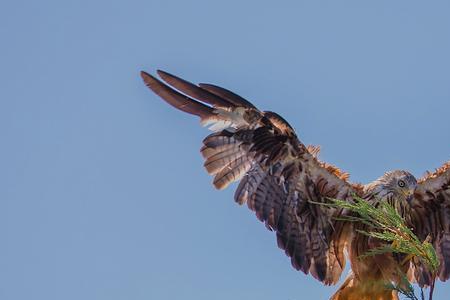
(354, 289)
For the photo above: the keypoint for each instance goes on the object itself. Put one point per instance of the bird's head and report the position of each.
(399, 185)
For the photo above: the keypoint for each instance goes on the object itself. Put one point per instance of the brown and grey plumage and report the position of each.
(282, 181)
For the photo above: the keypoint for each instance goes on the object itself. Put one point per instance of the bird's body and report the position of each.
(284, 183)
(371, 274)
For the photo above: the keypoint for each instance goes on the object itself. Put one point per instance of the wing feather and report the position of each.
(194, 91)
(431, 219)
(226, 94)
(176, 99)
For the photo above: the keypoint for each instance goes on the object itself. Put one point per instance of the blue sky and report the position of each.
(103, 194)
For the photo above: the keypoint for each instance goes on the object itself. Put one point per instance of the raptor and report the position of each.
(282, 181)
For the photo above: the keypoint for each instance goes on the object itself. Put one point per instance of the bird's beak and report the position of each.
(409, 195)
(409, 198)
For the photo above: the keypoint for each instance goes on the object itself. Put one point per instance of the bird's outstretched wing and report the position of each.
(280, 178)
(430, 218)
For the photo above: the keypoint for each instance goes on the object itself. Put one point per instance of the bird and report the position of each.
(284, 183)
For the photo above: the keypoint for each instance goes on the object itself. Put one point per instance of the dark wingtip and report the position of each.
(174, 98)
(148, 79)
(193, 90)
(167, 77)
(162, 73)
(227, 95)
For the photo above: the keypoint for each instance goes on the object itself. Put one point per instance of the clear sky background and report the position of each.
(102, 190)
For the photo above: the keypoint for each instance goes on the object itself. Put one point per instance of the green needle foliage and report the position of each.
(387, 225)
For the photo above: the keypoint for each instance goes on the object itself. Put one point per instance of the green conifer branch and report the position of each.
(387, 225)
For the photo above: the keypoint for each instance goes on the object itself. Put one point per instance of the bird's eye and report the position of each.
(401, 183)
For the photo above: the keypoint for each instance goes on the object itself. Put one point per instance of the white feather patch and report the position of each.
(225, 119)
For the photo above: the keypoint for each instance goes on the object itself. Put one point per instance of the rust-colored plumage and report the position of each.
(282, 181)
